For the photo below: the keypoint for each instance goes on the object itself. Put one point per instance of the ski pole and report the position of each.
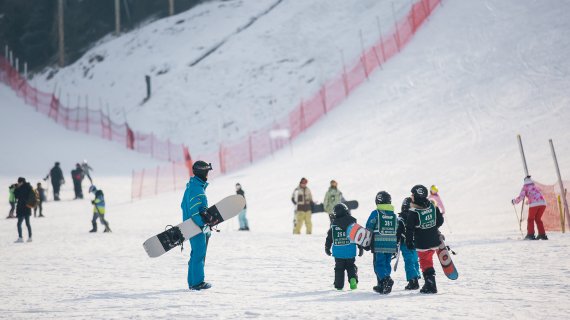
(448, 224)
(515, 208)
(522, 216)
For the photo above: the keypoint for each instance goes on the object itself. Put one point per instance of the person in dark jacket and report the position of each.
(77, 177)
(422, 233)
(22, 193)
(41, 193)
(56, 176)
(411, 264)
(343, 251)
(243, 223)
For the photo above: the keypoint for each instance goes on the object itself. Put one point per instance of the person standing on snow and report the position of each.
(422, 233)
(98, 209)
(23, 194)
(77, 177)
(383, 223)
(434, 196)
(411, 264)
(12, 201)
(243, 223)
(303, 200)
(332, 198)
(41, 192)
(194, 206)
(537, 205)
(87, 170)
(56, 176)
(343, 251)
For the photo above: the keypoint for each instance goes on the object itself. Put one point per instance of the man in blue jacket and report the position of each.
(194, 205)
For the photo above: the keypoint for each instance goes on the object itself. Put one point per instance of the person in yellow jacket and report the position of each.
(303, 200)
(98, 209)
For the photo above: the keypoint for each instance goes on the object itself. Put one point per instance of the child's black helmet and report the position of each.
(340, 210)
(201, 168)
(406, 203)
(383, 197)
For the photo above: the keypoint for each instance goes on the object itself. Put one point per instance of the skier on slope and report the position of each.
(194, 206)
(537, 205)
(422, 233)
(411, 264)
(77, 177)
(383, 223)
(343, 251)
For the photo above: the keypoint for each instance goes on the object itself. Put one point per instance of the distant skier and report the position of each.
(26, 199)
(12, 201)
(77, 177)
(332, 198)
(87, 170)
(98, 209)
(411, 264)
(383, 223)
(537, 205)
(243, 223)
(56, 176)
(343, 251)
(194, 206)
(434, 196)
(41, 195)
(303, 200)
(422, 233)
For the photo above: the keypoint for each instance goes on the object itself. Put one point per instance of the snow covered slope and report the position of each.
(224, 67)
(446, 111)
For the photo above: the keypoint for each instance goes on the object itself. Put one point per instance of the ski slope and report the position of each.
(445, 111)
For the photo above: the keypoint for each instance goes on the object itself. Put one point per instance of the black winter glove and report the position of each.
(360, 251)
(328, 251)
(410, 244)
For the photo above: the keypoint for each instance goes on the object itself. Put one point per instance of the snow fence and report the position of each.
(554, 218)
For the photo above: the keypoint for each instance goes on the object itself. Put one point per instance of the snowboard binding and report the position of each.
(174, 236)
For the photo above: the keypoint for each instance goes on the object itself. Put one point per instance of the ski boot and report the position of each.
(93, 230)
(542, 237)
(412, 284)
(353, 283)
(20, 240)
(29, 240)
(380, 287)
(107, 229)
(388, 283)
(201, 286)
(429, 285)
(530, 237)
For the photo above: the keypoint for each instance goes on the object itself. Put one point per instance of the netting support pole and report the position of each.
(560, 184)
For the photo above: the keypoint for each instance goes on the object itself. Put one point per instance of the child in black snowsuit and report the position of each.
(422, 233)
(343, 250)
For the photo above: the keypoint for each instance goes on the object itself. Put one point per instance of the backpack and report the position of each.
(32, 200)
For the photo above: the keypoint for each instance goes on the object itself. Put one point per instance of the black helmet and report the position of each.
(201, 168)
(340, 210)
(420, 195)
(406, 204)
(383, 197)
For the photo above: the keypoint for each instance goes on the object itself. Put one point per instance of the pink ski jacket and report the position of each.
(533, 194)
(438, 202)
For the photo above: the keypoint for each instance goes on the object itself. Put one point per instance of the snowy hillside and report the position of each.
(445, 111)
(225, 67)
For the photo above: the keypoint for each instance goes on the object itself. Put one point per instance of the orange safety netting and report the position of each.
(554, 218)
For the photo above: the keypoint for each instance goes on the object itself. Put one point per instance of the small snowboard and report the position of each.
(320, 207)
(161, 243)
(445, 259)
(359, 235)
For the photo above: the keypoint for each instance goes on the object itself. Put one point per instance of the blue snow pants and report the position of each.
(382, 266)
(197, 259)
(411, 263)
(243, 219)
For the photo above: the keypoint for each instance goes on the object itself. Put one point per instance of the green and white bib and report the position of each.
(427, 217)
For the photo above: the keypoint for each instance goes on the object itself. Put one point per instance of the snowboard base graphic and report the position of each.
(161, 243)
(445, 259)
(359, 235)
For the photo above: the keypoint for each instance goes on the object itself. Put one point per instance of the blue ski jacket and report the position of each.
(194, 201)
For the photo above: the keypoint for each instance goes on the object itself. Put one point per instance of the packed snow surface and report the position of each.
(445, 111)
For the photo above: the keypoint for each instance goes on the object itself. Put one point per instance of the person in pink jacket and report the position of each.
(434, 196)
(537, 205)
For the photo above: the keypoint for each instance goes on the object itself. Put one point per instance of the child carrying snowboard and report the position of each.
(411, 264)
(98, 209)
(383, 223)
(422, 233)
(343, 251)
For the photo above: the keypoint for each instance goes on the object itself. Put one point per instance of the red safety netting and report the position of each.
(555, 218)
(230, 155)
(83, 119)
